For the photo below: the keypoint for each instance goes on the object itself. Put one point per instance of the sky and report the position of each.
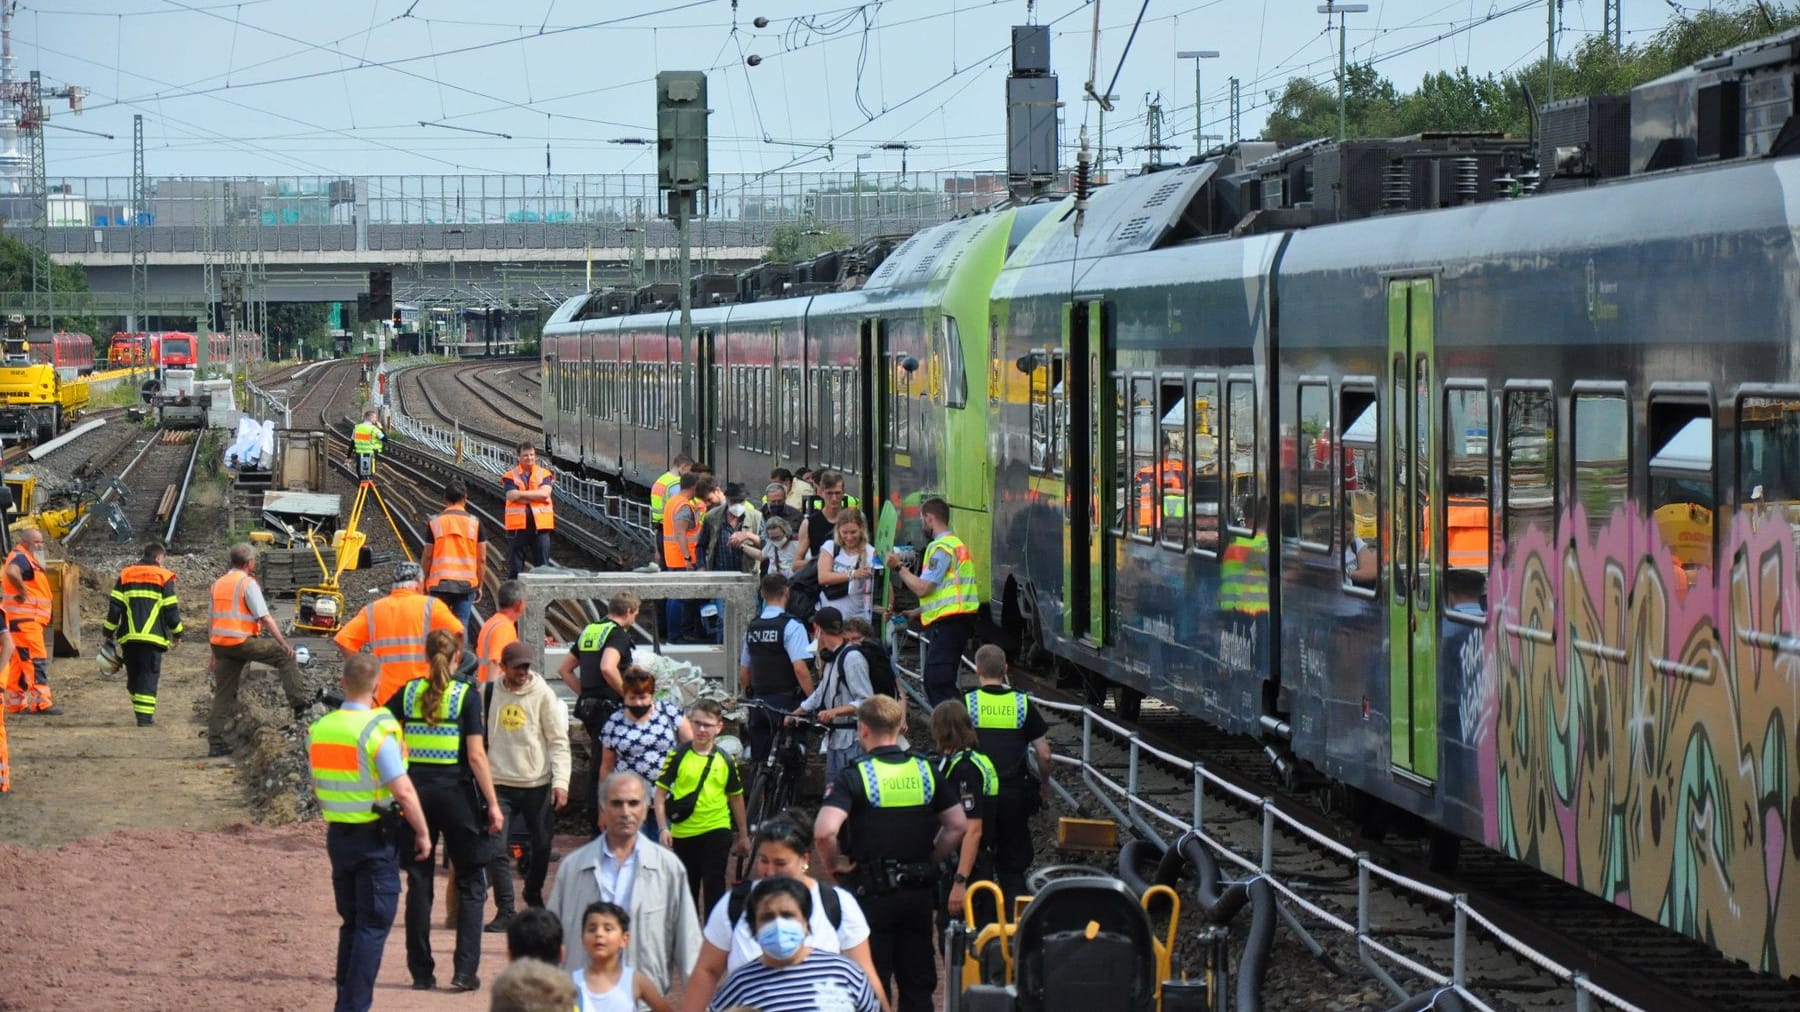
(342, 87)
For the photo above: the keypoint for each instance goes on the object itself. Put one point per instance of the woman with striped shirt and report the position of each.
(791, 976)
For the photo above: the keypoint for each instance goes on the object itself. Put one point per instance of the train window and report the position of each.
(1468, 529)
(956, 379)
(1171, 470)
(1682, 498)
(1313, 453)
(1038, 394)
(1121, 476)
(1204, 464)
(1146, 483)
(1530, 463)
(790, 412)
(1601, 425)
(1241, 464)
(1059, 422)
(1360, 481)
(1768, 465)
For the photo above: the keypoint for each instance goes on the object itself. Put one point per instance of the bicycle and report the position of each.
(776, 776)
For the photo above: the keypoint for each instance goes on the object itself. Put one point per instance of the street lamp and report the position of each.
(1197, 55)
(1328, 9)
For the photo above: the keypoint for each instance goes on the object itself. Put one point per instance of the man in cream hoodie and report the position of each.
(528, 751)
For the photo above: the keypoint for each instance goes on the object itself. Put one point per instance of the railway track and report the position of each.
(492, 421)
(1625, 954)
(155, 481)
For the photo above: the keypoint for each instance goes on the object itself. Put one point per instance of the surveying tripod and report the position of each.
(365, 490)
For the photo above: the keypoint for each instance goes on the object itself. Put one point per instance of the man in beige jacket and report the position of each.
(528, 751)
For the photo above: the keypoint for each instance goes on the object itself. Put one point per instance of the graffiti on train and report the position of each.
(1642, 743)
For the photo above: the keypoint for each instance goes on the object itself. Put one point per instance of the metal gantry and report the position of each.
(140, 203)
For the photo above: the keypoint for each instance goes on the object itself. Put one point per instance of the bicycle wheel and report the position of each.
(756, 799)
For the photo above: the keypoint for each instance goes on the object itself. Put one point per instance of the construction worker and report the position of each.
(501, 628)
(243, 632)
(144, 603)
(455, 562)
(5, 754)
(394, 629)
(28, 604)
(666, 485)
(948, 599)
(358, 761)
(366, 442)
(677, 553)
(530, 514)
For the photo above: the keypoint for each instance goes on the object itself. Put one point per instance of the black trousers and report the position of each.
(901, 942)
(943, 655)
(448, 800)
(533, 805)
(704, 856)
(1008, 832)
(526, 546)
(143, 670)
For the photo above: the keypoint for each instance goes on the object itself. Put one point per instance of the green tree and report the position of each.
(16, 262)
(1305, 109)
(798, 240)
(299, 323)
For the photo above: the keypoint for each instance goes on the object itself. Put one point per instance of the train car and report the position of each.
(176, 350)
(72, 354)
(131, 349)
(219, 348)
(1484, 510)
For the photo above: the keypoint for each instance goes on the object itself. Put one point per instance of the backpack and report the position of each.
(881, 669)
(803, 592)
(740, 896)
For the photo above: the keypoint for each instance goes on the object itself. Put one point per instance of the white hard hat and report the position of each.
(303, 656)
(109, 658)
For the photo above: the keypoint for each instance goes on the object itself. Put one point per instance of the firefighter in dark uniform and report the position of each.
(899, 822)
(447, 759)
(1008, 729)
(144, 619)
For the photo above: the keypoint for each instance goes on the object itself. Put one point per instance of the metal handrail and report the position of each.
(1275, 812)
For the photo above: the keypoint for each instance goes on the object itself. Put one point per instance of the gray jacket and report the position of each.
(665, 931)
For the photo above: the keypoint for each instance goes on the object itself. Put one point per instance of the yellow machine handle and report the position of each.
(1001, 930)
(1165, 946)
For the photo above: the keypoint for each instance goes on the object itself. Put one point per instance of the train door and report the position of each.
(1092, 430)
(706, 405)
(872, 348)
(1409, 471)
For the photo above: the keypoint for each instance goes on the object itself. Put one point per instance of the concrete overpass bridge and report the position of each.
(460, 240)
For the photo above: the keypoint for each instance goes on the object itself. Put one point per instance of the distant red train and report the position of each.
(64, 350)
(176, 349)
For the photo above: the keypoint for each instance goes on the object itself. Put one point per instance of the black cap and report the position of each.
(829, 620)
(734, 491)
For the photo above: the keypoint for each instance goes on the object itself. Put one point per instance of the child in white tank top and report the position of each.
(609, 984)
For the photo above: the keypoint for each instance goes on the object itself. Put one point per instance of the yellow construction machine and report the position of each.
(19, 497)
(35, 403)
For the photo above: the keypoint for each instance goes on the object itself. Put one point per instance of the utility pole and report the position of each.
(1341, 10)
(140, 257)
(1550, 49)
(1234, 111)
(681, 157)
(1197, 55)
(1154, 144)
(1613, 29)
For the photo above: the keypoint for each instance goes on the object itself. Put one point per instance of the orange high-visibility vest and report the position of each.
(394, 629)
(35, 608)
(231, 620)
(542, 513)
(455, 552)
(498, 631)
(678, 549)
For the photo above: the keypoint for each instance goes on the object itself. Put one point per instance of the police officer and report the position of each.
(774, 667)
(1007, 728)
(966, 770)
(447, 753)
(948, 599)
(601, 654)
(365, 442)
(144, 604)
(899, 821)
(359, 767)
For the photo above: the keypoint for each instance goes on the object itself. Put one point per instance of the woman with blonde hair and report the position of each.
(447, 759)
(848, 565)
